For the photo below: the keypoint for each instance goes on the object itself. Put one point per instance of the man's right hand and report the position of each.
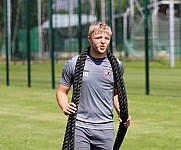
(69, 109)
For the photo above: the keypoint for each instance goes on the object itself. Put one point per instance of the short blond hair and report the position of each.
(99, 27)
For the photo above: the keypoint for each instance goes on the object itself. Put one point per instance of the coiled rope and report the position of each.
(68, 143)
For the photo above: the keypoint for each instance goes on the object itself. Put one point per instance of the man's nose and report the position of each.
(103, 40)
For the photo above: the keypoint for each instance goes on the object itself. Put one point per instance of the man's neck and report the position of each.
(95, 54)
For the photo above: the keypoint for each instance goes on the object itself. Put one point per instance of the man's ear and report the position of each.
(89, 39)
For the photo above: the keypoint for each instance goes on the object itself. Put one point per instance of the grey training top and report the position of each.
(97, 92)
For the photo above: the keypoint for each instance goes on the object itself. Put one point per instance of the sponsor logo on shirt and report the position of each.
(86, 73)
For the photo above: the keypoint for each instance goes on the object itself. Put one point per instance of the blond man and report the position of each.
(94, 128)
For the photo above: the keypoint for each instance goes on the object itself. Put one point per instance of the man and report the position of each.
(94, 123)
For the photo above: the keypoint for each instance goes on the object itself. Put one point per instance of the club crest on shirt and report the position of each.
(108, 72)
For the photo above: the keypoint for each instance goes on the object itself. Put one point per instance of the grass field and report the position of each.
(30, 118)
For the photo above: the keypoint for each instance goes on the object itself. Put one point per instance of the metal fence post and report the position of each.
(28, 42)
(180, 30)
(51, 45)
(110, 23)
(6, 41)
(146, 2)
(120, 29)
(80, 25)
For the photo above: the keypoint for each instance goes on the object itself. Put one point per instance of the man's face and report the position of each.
(100, 42)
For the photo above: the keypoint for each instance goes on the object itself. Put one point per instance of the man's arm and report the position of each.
(116, 106)
(62, 99)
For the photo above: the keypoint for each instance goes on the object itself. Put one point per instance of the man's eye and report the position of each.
(98, 37)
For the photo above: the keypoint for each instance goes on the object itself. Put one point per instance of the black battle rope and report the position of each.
(122, 98)
(68, 143)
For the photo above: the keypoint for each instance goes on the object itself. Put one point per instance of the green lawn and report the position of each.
(30, 118)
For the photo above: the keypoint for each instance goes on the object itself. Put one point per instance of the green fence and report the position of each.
(71, 17)
(70, 22)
